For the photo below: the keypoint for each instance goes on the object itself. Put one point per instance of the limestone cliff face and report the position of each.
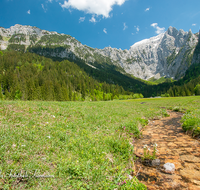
(168, 54)
(196, 56)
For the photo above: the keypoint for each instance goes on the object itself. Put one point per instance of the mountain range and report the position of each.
(168, 55)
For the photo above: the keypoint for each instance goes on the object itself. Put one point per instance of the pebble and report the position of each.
(155, 162)
(169, 168)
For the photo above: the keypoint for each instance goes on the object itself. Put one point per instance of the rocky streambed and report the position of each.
(174, 146)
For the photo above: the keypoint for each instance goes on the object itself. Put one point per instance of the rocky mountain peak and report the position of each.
(172, 31)
(165, 55)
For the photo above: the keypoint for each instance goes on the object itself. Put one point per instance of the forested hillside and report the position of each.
(28, 76)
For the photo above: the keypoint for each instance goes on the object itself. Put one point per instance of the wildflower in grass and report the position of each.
(49, 137)
(145, 146)
(148, 153)
(122, 183)
(130, 177)
(145, 151)
(155, 150)
(53, 116)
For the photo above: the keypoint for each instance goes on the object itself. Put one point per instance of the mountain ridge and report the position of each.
(166, 55)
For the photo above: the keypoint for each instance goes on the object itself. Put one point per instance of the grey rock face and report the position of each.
(166, 55)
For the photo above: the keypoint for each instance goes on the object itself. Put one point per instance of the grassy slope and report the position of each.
(83, 144)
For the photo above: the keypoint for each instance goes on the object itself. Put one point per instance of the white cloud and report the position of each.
(137, 28)
(105, 30)
(147, 9)
(42, 6)
(125, 27)
(81, 19)
(45, 10)
(158, 29)
(154, 24)
(50, 1)
(29, 12)
(97, 7)
(194, 24)
(93, 19)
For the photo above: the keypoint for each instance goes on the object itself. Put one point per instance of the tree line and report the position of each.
(28, 76)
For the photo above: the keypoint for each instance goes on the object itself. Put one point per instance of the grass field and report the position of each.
(79, 145)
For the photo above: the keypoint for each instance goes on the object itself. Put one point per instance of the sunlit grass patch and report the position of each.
(191, 123)
(84, 145)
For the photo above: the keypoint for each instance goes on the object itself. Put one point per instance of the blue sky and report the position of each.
(102, 23)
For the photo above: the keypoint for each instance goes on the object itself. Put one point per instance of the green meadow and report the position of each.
(80, 145)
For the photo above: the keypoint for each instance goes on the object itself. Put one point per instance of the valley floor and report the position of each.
(90, 145)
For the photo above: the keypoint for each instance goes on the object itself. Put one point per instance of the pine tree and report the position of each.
(187, 92)
(83, 91)
(38, 93)
(74, 96)
(171, 92)
(197, 89)
(65, 92)
(70, 92)
(1, 94)
(104, 98)
(7, 95)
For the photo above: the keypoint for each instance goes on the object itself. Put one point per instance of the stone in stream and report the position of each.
(169, 168)
(155, 162)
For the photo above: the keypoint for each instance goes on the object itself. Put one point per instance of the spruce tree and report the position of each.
(70, 92)
(83, 91)
(1, 94)
(74, 96)
(197, 89)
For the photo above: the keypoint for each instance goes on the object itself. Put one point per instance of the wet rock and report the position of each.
(155, 162)
(196, 182)
(146, 162)
(169, 168)
(175, 161)
(190, 158)
(190, 174)
(197, 164)
(175, 147)
(193, 187)
(190, 166)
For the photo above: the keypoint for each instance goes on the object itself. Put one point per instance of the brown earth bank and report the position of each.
(174, 146)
